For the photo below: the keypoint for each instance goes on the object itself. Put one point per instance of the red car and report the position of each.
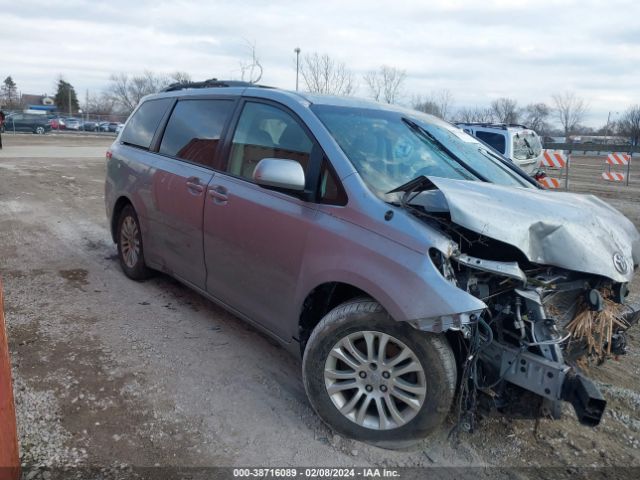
(57, 123)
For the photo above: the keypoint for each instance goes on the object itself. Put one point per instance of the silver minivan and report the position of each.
(404, 261)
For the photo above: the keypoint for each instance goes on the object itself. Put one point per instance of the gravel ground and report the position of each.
(115, 375)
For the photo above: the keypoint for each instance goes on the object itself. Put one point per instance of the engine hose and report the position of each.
(519, 318)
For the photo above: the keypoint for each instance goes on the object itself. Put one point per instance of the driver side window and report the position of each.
(265, 131)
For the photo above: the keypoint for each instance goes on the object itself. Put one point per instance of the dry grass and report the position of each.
(597, 328)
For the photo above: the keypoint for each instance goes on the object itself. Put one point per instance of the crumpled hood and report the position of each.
(576, 232)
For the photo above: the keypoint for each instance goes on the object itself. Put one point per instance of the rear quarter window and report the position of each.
(495, 140)
(143, 124)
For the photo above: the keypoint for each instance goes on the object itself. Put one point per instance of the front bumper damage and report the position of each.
(539, 365)
(541, 262)
(553, 380)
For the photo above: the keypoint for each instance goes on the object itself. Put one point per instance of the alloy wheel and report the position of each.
(129, 242)
(375, 380)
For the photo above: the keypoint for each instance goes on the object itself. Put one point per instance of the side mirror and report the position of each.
(279, 173)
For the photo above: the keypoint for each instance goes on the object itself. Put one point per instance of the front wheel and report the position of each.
(377, 380)
(40, 130)
(130, 251)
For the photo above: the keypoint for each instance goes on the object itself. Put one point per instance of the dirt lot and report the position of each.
(115, 374)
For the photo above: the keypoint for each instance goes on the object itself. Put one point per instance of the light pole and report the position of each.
(606, 130)
(297, 50)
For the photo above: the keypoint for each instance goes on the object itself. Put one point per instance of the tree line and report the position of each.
(323, 74)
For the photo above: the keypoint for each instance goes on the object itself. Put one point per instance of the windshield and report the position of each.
(390, 148)
(526, 145)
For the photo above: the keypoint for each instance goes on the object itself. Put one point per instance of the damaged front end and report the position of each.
(554, 282)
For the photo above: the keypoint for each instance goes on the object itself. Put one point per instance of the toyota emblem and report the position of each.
(620, 263)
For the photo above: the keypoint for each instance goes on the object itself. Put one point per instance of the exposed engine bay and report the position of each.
(543, 322)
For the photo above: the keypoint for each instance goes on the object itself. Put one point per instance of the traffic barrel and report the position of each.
(9, 455)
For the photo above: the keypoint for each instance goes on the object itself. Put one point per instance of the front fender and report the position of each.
(405, 282)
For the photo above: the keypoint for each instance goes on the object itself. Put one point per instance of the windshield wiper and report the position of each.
(427, 135)
(510, 164)
(531, 152)
(417, 184)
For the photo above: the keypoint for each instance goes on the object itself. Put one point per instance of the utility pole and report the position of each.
(606, 130)
(297, 50)
(69, 95)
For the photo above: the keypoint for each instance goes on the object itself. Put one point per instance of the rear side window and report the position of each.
(143, 124)
(194, 130)
(495, 140)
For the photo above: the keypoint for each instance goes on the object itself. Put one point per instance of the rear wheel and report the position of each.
(377, 380)
(40, 130)
(130, 251)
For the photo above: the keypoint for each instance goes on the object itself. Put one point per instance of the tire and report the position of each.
(434, 386)
(130, 250)
(39, 130)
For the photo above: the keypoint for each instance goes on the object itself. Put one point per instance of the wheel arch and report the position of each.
(320, 301)
(121, 202)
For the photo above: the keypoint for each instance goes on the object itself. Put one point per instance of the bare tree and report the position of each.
(475, 114)
(426, 105)
(322, 74)
(505, 110)
(629, 124)
(438, 103)
(180, 77)
(444, 99)
(127, 91)
(385, 84)
(102, 104)
(535, 117)
(569, 110)
(251, 70)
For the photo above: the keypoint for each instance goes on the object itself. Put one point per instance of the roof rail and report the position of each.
(212, 82)
(492, 124)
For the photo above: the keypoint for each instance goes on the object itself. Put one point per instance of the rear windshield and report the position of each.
(526, 145)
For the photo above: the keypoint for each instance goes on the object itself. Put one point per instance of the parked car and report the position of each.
(90, 126)
(57, 123)
(27, 122)
(517, 142)
(119, 128)
(398, 256)
(108, 126)
(73, 123)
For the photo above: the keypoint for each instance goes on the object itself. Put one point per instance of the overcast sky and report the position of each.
(527, 50)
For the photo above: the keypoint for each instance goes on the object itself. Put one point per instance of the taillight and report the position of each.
(109, 154)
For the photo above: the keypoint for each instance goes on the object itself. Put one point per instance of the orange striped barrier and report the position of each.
(613, 176)
(553, 159)
(617, 158)
(549, 182)
(9, 456)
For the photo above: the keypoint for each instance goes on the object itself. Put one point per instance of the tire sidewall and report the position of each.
(439, 385)
(140, 270)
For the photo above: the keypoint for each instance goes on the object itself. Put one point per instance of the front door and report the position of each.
(254, 238)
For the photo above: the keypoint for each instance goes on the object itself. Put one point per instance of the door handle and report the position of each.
(219, 194)
(193, 184)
